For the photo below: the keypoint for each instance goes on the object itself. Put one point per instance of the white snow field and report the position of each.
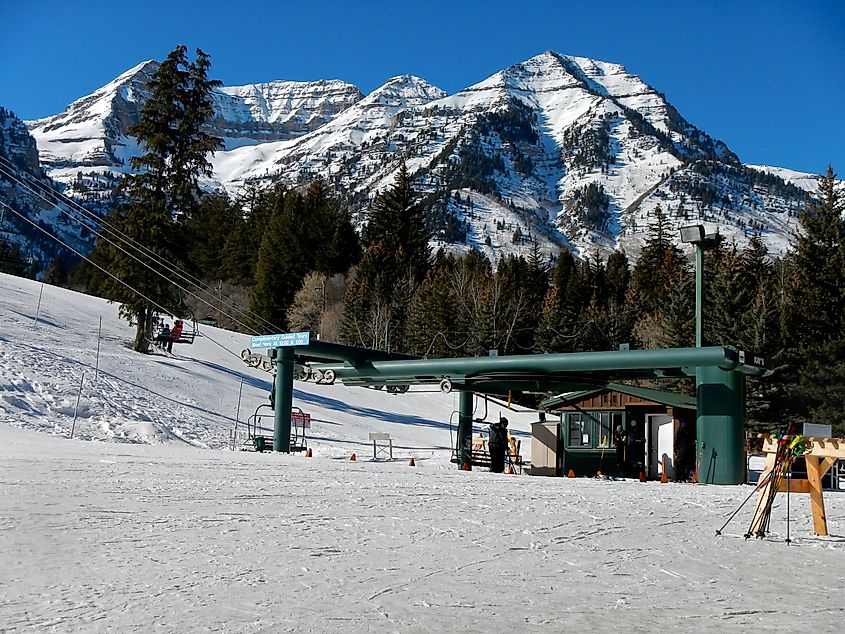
(146, 522)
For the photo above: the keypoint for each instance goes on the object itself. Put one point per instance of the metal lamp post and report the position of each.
(720, 394)
(695, 235)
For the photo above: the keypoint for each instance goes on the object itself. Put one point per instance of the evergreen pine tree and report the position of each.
(660, 266)
(208, 229)
(57, 273)
(243, 244)
(814, 311)
(164, 191)
(433, 321)
(394, 264)
(281, 267)
(560, 326)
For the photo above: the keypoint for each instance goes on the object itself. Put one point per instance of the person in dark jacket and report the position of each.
(684, 451)
(620, 438)
(163, 338)
(497, 445)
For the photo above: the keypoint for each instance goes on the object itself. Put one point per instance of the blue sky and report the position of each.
(767, 77)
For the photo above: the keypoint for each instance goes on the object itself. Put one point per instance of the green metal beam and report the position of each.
(539, 368)
(322, 351)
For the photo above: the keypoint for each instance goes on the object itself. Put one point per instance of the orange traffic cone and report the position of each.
(510, 469)
(353, 457)
(663, 477)
(467, 467)
(411, 463)
(308, 452)
(571, 473)
(642, 476)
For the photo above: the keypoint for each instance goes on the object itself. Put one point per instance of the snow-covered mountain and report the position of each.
(91, 136)
(558, 149)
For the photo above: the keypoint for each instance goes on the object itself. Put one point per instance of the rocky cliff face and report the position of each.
(93, 132)
(278, 110)
(17, 145)
(28, 204)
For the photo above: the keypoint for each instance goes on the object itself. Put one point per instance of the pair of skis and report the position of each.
(788, 448)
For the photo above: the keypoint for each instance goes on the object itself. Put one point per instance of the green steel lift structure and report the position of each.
(720, 373)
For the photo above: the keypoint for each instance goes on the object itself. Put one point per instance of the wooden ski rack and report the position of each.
(821, 454)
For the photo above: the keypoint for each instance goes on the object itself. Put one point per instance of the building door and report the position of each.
(661, 445)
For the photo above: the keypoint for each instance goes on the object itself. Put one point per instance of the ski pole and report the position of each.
(788, 478)
(757, 488)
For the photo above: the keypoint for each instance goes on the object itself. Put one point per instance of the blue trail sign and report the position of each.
(281, 340)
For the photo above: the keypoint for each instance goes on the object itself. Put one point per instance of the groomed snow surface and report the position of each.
(147, 521)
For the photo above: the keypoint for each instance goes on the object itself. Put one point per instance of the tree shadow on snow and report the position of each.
(368, 412)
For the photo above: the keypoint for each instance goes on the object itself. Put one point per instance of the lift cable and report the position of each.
(56, 198)
(109, 273)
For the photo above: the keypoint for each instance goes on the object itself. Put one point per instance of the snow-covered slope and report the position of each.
(191, 397)
(558, 149)
(804, 180)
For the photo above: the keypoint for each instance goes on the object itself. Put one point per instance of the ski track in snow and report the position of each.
(134, 526)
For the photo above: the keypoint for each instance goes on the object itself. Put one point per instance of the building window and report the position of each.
(580, 427)
(605, 435)
(592, 430)
(606, 422)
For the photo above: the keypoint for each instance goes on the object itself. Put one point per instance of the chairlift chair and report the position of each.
(189, 325)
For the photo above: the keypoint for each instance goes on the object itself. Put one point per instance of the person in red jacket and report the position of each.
(174, 334)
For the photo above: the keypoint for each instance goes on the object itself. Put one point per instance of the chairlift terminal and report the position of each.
(721, 372)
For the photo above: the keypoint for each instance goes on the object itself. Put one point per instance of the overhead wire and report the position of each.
(142, 249)
(109, 273)
(56, 198)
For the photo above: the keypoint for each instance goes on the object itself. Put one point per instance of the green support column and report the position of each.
(699, 294)
(720, 441)
(463, 450)
(284, 399)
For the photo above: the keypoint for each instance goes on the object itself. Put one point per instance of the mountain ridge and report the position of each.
(565, 150)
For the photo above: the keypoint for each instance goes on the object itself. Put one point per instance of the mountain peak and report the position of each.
(410, 90)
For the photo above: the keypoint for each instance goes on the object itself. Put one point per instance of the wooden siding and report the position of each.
(608, 400)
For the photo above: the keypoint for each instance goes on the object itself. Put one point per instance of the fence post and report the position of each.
(76, 410)
(238, 414)
(97, 366)
(38, 310)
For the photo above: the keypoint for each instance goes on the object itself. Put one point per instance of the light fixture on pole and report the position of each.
(695, 235)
